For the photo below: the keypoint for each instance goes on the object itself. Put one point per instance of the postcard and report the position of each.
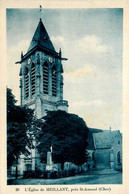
(64, 96)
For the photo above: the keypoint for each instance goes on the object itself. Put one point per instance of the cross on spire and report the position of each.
(40, 9)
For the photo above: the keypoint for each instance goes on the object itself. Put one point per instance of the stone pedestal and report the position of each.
(49, 165)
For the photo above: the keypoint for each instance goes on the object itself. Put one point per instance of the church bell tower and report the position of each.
(41, 82)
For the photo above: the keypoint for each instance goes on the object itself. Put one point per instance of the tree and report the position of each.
(67, 134)
(19, 129)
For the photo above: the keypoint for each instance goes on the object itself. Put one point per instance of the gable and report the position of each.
(90, 137)
(105, 139)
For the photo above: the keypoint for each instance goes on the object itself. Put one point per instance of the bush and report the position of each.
(33, 174)
(63, 173)
(53, 175)
(45, 174)
(27, 174)
(72, 172)
(48, 174)
(66, 173)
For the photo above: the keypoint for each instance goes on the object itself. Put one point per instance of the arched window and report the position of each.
(118, 158)
(26, 82)
(54, 81)
(33, 79)
(45, 78)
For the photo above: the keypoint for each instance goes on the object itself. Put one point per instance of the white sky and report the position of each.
(91, 39)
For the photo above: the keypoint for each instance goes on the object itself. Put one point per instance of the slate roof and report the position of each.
(41, 38)
(90, 137)
(104, 139)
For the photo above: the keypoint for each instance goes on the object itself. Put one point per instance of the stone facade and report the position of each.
(105, 149)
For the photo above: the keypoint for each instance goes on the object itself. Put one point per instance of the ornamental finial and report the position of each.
(40, 9)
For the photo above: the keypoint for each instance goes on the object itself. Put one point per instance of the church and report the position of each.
(41, 89)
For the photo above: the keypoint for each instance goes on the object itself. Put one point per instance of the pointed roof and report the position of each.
(90, 137)
(105, 139)
(41, 41)
(41, 38)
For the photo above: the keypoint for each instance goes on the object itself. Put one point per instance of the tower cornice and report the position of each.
(45, 50)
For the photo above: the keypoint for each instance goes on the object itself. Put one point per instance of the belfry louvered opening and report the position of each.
(26, 83)
(33, 79)
(45, 78)
(54, 81)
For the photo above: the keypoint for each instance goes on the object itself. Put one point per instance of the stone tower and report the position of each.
(41, 82)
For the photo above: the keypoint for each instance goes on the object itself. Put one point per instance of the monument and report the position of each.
(49, 165)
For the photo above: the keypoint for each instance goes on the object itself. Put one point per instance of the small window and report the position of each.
(45, 78)
(33, 79)
(118, 158)
(54, 81)
(26, 83)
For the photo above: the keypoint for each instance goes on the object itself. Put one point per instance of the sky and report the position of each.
(91, 39)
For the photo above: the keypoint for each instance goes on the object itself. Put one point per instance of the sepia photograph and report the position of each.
(64, 96)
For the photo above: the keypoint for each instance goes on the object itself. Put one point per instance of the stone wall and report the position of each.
(117, 151)
(102, 158)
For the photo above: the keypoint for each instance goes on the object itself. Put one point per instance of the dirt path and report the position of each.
(81, 179)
